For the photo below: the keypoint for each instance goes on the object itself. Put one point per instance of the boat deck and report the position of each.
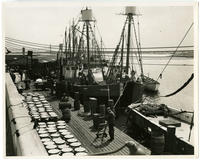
(82, 128)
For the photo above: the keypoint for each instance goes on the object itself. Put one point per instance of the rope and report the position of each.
(111, 152)
(160, 75)
(182, 87)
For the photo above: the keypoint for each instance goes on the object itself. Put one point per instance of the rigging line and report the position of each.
(116, 49)
(132, 57)
(139, 36)
(140, 60)
(25, 43)
(26, 46)
(8, 38)
(175, 51)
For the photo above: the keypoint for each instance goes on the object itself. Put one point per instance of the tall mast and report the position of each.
(73, 41)
(128, 44)
(88, 44)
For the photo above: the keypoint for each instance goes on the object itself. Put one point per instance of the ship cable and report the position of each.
(182, 87)
(173, 54)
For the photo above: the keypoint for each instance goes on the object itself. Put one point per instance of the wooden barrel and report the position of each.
(96, 120)
(157, 143)
(102, 109)
(76, 105)
(85, 101)
(66, 114)
(93, 105)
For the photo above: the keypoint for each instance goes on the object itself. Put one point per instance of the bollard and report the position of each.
(170, 139)
(76, 101)
(93, 105)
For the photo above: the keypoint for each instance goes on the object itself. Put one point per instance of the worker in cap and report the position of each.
(111, 120)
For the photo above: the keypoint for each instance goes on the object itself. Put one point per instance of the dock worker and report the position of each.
(111, 122)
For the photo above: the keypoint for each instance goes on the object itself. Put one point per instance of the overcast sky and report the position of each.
(45, 23)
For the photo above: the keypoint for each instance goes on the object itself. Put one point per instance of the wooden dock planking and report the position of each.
(82, 129)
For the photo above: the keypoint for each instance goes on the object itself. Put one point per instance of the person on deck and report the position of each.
(111, 121)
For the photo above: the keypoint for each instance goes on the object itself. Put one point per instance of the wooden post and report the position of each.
(170, 139)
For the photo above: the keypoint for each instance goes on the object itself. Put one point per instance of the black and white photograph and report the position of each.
(99, 79)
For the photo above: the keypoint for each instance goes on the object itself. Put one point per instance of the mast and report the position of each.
(73, 41)
(128, 44)
(122, 57)
(88, 45)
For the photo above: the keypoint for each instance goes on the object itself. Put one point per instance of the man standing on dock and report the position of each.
(111, 120)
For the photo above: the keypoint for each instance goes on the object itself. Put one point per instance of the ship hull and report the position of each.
(150, 84)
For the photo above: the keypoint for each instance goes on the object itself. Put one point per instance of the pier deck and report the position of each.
(82, 128)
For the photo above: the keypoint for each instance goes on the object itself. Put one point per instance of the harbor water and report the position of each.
(174, 76)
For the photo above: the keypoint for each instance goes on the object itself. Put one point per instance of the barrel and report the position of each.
(66, 114)
(102, 109)
(157, 143)
(76, 96)
(93, 105)
(77, 105)
(85, 101)
(96, 120)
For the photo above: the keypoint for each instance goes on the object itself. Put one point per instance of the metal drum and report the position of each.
(67, 150)
(81, 154)
(75, 145)
(56, 139)
(44, 102)
(96, 120)
(61, 122)
(51, 123)
(72, 140)
(55, 135)
(63, 146)
(61, 127)
(60, 142)
(52, 130)
(54, 152)
(68, 154)
(43, 140)
(38, 103)
(45, 135)
(80, 149)
(69, 136)
(49, 147)
(157, 143)
(48, 143)
(42, 132)
(64, 132)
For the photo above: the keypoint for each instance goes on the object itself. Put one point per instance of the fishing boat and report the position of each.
(129, 33)
(150, 84)
(83, 61)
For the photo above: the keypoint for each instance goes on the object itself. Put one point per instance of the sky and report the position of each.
(46, 22)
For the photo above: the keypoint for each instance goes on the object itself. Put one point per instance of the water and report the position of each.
(174, 76)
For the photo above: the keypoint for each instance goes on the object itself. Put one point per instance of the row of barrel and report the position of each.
(58, 140)
(53, 133)
(39, 108)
